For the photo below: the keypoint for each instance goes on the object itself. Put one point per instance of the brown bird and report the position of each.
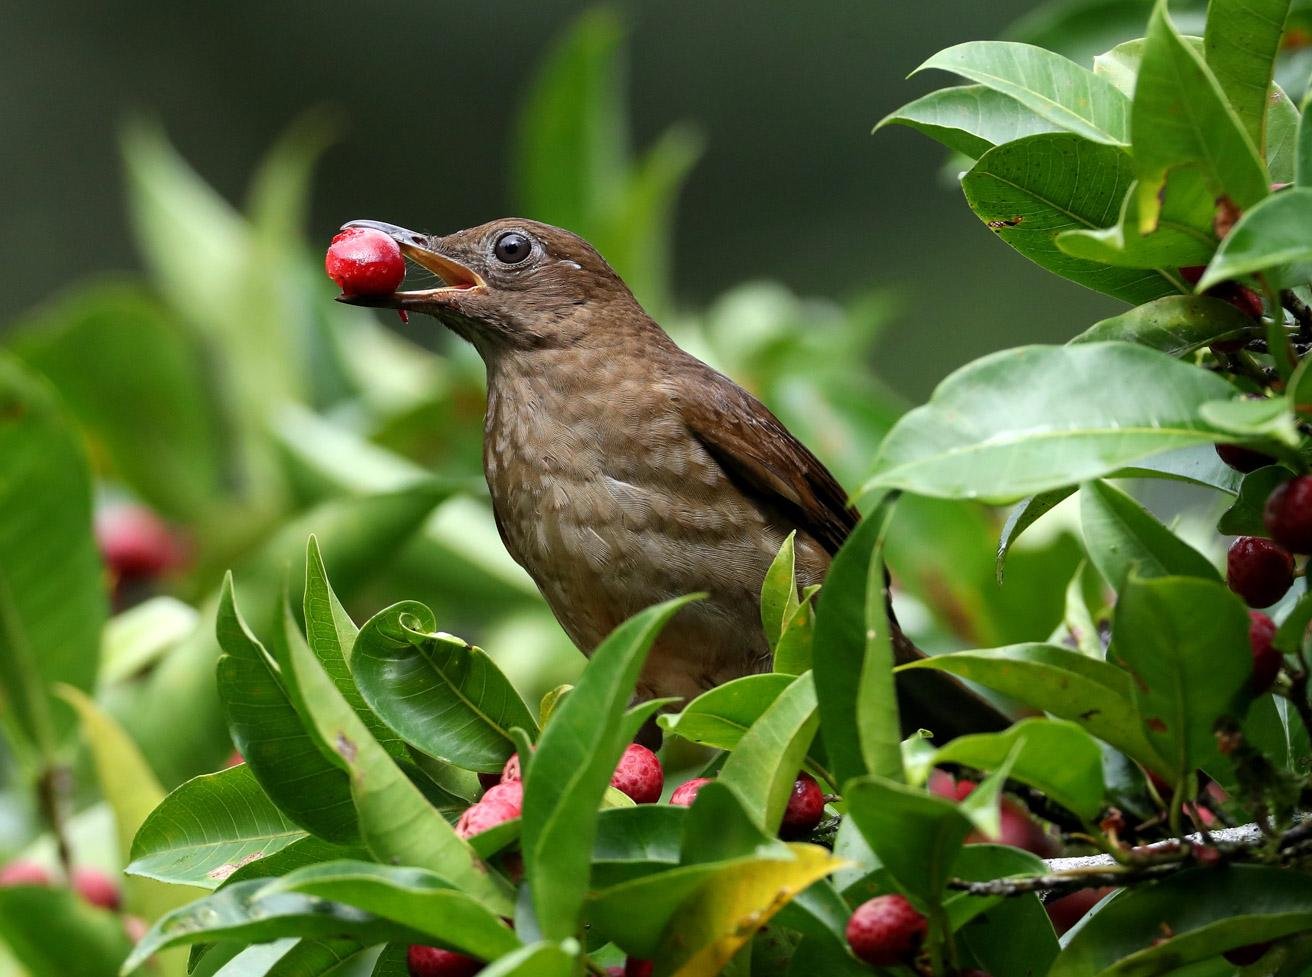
(624, 471)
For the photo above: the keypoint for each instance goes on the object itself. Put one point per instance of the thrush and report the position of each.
(624, 471)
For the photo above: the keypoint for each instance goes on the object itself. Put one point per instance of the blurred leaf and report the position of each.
(1186, 918)
(1054, 756)
(1038, 418)
(1024, 515)
(134, 377)
(208, 828)
(1181, 118)
(1185, 641)
(1081, 29)
(1060, 681)
(537, 960)
(1182, 235)
(1270, 235)
(53, 933)
(52, 591)
(1244, 517)
(135, 639)
(1030, 191)
(720, 716)
(1120, 64)
(854, 658)
(1047, 84)
(1303, 155)
(1269, 418)
(1240, 46)
(763, 767)
(1175, 324)
(440, 694)
(1123, 537)
(572, 767)
(419, 900)
(970, 119)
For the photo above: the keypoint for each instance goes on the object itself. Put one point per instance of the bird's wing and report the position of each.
(762, 457)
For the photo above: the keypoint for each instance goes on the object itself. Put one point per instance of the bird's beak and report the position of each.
(455, 276)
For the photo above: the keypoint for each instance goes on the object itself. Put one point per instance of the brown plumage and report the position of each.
(623, 471)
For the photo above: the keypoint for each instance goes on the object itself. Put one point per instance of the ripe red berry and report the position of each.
(135, 543)
(806, 806)
(639, 775)
(1266, 657)
(1069, 910)
(633, 967)
(363, 261)
(1288, 514)
(502, 803)
(686, 792)
(1243, 459)
(942, 784)
(97, 888)
(23, 873)
(886, 931)
(511, 770)
(1258, 570)
(431, 961)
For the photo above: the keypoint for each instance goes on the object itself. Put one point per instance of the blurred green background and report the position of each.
(791, 186)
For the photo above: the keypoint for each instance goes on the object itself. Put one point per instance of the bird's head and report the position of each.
(511, 284)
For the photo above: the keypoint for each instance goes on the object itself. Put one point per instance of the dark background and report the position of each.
(792, 185)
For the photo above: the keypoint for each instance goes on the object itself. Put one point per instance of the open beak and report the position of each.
(417, 247)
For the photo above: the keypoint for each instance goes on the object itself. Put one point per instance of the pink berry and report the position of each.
(97, 888)
(1258, 570)
(886, 931)
(511, 770)
(431, 961)
(806, 806)
(363, 261)
(1266, 657)
(639, 775)
(135, 543)
(23, 873)
(1288, 514)
(686, 792)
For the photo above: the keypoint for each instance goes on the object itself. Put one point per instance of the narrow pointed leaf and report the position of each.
(970, 119)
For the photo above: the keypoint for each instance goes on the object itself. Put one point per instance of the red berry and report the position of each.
(488, 780)
(23, 873)
(1069, 910)
(886, 931)
(1258, 570)
(1193, 274)
(806, 806)
(235, 759)
(1243, 459)
(97, 888)
(511, 770)
(1245, 300)
(509, 795)
(633, 967)
(1246, 956)
(502, 803)
(135, 543)
(135, 927)
(1266, 657)
(942, 785)
(639, 775)
(431, 961)
(363, 261)
(686, 792)
(1288, 514)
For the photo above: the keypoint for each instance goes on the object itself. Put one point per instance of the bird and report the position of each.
(623, 471)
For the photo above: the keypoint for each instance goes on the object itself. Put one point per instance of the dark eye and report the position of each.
(512, 247)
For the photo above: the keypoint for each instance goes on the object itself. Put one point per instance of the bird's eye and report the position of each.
(512, 247)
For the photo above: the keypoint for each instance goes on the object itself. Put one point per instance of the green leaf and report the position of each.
(763, 767)
(720, 716)
(1182, 235)
(1269, 236)
(308, 851)
(794, 654)
(1120, 65)
(52, 597)
(446, 697)
(1063, 682)
(1014, 937)
(1054, 756)
(1189, 917)
(1240, 46)
(1270, 418)
(1033, 419)
(1123, 537)
(854, 659)
(1281, 138)
(537, 960)
(1180, 118)
(1030, 191)
(208, 828)
(1185, 641)
(1244, 517)
(636, 841)
(1303, 157)
(916, 835)
(419, 900)
(572, 767)
(970, 119)
(1025, 514)
(1047, 84)
(1174, 324)
(779, 591)
(53, 933)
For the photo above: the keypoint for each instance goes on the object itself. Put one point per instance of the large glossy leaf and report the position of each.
(52, 598)
(1240, 46)
(1061, 681)
(720, 716)
(1030, 191)
(1245, 517)
(1185, 641)
(1180, 118)
(210, 827)
(308, 851)
(1038, 418)
(1269, 236)
(1123, 537)
(542, 959)
(1047, 84)
(571, 769)
(636, 841)
(54, 933)
(970, 119)
(439, 693)
(1187, 918)
(1174, 324)
(417, 899)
